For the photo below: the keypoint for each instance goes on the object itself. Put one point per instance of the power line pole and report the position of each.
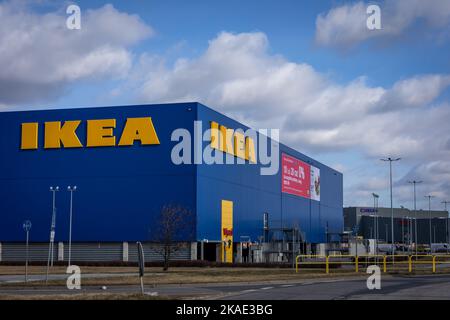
(414, 182)
(392, 206)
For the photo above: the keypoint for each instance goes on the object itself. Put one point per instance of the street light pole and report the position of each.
(429, 214)
(26, 258)
(414, 182)
(392, 207)
(71, 190)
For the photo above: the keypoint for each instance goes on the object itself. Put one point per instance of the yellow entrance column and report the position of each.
(227, 231)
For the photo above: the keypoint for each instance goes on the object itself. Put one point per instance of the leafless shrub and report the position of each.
(174, 222)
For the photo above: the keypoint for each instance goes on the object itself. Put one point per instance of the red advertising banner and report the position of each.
(295, 176)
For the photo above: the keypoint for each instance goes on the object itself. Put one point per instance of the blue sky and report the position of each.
(290, 27)
(348, 95)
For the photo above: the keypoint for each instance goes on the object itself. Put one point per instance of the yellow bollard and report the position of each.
(296, 264)
(434, 264)
(356, 264)
(327, 270)
(409, 264)
(384, 264)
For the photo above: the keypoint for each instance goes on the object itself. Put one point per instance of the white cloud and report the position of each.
(344, 26)
(237, 75)
(39, 56)
(416, 92)
(435, 177)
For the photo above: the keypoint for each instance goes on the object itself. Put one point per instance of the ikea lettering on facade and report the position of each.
(100, 133)
(120, 160)
(232, 142)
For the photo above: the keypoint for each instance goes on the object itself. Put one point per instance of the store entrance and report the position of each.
(209, 251)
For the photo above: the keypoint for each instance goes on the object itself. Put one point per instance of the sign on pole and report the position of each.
(26, 227)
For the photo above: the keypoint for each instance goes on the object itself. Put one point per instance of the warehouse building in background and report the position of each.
(129, 162)
(431, 225)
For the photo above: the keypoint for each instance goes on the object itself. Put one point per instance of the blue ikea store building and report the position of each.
(125, 162)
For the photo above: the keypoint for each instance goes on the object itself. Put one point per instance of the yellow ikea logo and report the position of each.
(232, 142)
(100, 133)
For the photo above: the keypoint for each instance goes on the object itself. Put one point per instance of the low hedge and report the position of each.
(176, 264)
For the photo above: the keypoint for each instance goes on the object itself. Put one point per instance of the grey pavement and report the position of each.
(392, 287)
(42, 277)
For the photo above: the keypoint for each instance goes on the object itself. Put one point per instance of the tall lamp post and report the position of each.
(414, 182)
(53, 190)
(429, 216)
(71, 190)
(392, 207)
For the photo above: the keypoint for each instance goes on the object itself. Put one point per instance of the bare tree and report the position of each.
(174, 221)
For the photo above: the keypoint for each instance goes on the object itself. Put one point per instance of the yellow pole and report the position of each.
(434, 264)
(296, 264)
(384, 264)
(327, 270)
(356, 264)
(410, 264)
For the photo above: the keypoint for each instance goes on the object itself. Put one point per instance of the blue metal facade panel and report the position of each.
(121, 189)
(253, 194)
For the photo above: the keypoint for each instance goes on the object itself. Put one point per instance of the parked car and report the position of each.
(440, 247)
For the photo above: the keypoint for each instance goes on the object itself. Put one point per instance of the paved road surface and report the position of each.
(393, 287)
